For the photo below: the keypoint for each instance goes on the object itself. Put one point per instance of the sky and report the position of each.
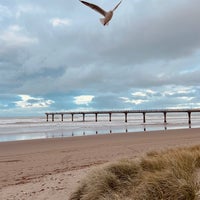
(55, 55)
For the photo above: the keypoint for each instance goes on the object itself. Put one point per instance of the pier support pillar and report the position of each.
(95, 117)
(144, 117)
(52, 117)
(110, 116)
(83, 117)
(165, 117)
(126, 114)
(62, 117)
(72, 117)
(47, 117)
(189, 117)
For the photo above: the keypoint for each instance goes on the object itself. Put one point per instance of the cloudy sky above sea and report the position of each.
(55, 55)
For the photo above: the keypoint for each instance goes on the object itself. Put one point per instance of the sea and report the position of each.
(30, 128)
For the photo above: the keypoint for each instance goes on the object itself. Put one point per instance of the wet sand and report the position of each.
(52, 168)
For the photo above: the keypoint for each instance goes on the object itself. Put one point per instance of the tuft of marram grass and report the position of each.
(106, 183)
(164, 185)
(165, 175)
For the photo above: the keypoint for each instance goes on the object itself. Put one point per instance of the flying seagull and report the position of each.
(108, 15)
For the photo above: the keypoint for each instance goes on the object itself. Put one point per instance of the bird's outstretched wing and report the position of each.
(117, 6)
(95, 7)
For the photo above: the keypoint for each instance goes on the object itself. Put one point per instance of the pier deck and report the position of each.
(125, 112)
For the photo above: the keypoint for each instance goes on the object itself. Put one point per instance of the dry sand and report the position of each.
(52, 168)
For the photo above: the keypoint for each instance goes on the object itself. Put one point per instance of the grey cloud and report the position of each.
(147, 45)
(108, 101)
(4, 13)
(169, 35)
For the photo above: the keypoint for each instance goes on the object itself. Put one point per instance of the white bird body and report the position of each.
(107, 15)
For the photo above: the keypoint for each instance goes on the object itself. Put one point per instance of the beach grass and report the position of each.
(166, 175)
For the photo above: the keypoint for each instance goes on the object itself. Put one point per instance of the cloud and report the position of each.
(32, 102)
(60, 22)
(28, 8)
(60, 51)
(83, 99)
(132, 101)
(165, 97)
(180, 91)
(139, 94)
(3, 106)
(4, 12)
(14, 38)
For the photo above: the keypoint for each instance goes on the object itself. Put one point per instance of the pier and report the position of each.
(125, 112)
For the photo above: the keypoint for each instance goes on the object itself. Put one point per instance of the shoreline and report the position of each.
(79, 137)
(36, 162)
(58, 134)
(17, 129)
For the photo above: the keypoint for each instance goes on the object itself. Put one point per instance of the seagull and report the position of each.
(108, 15)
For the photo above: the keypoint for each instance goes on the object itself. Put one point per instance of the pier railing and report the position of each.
(125, 112)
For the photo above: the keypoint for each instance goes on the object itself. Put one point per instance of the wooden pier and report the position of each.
(125, 112)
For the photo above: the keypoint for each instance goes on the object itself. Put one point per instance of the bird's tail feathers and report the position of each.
(102, 20)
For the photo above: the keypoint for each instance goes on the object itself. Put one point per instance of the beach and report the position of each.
(53, 168)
